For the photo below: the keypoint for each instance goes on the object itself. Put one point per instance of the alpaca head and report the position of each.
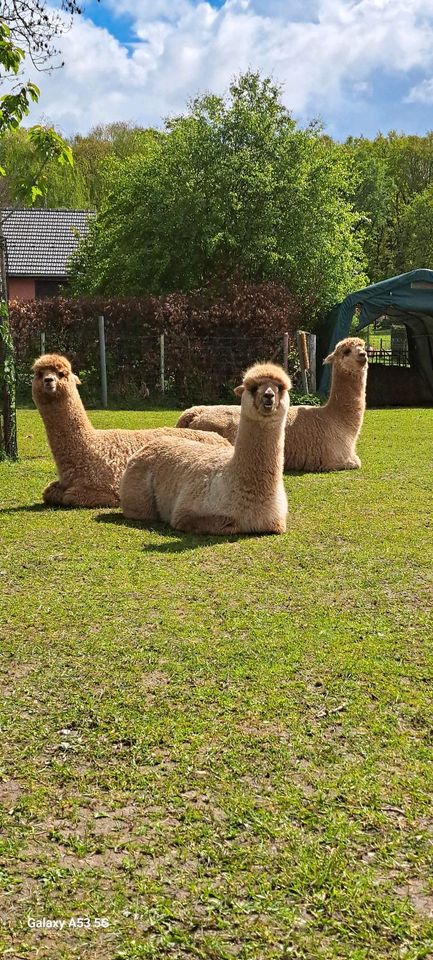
(349, 356)
(265, 393)
(53, 378)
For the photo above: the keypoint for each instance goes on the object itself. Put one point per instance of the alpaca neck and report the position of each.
(347, 396)
(68, 426)
(259, 454)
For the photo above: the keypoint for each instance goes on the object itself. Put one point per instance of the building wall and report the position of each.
(21, 288)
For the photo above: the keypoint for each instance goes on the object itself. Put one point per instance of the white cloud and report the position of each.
(421, 92)
(319, 50)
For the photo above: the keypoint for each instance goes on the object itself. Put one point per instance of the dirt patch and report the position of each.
(416, 893)
(10, 792)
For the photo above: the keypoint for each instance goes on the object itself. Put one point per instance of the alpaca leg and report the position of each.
(53, 494)
(82, 496)
(353, 463)
(280, 526)
(215, 524)
(137, 500)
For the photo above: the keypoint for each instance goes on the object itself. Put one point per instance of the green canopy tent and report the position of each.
(407, 299)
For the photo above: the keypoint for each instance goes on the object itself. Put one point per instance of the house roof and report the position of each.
(39, 242)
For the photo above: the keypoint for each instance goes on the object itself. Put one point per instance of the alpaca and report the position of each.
(317, 438)
(89, 462)
(217, 491)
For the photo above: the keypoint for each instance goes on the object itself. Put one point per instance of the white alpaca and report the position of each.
(216, 491)
(317, 438)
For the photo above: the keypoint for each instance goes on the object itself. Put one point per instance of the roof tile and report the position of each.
(39, 242)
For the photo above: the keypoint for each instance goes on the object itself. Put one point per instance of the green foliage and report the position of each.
(233, 188)
(390, 173)
(36, 26)
(8, 437)
(417, 230)
(80, 186)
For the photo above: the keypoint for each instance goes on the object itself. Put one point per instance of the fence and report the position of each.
(389, 358)
(161, 366)
(191, 347)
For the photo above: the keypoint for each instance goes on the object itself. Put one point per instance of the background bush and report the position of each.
(210, 337)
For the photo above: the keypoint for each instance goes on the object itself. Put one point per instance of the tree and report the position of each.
(35, 25)
(81, 186)
(417, 230)
(233, 188)
(390, 172)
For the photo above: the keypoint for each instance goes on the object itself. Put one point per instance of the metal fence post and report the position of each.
(103, 362)
(286, 352)
(162, 361)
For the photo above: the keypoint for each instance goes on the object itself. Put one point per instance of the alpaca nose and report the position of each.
(268, 397)
(49, 380)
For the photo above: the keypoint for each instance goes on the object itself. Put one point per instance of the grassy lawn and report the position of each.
(221, 748)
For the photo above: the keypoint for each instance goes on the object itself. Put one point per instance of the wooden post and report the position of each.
(162, 362)
(103, 362)
(286, 352)
(303, 359)
(312, 352)
(43, 341)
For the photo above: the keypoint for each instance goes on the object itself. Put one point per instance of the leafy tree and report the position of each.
(81, 186)
(417, 230)
(390, 172)
(233, 188)
(35, 25)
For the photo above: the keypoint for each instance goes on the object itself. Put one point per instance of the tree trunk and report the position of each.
(8, 421)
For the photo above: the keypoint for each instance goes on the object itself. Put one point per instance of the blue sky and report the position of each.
(359, 65)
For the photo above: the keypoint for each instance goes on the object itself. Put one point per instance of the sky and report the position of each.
(358, 65)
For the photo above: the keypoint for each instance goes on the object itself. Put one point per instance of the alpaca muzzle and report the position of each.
(268, 400)
(50, 384)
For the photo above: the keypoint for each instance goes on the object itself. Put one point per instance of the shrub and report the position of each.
(210, 337)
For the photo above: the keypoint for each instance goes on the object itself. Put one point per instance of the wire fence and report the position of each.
(389, 358)
(118, 368)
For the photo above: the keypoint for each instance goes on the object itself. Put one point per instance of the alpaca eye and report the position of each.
(60, 375)
(254, 391)
(347, 351)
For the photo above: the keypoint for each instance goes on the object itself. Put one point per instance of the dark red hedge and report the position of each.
(209, 338)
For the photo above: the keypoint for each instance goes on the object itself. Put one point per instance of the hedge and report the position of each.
(209, 339)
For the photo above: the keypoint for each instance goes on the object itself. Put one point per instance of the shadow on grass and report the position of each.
(176, 542)
(29, 508)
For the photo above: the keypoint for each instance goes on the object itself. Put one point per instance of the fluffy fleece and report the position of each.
(216, 491)
(89, 462)
(317, 438)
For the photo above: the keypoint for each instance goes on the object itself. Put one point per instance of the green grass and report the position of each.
(223, 747)
(379, 340)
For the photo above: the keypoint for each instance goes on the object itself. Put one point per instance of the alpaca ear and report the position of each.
(330, 358)
(239, 390)
(77, 379)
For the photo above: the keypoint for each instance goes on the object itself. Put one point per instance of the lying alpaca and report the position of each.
(317, 438)
(219, 491)
(89, 462)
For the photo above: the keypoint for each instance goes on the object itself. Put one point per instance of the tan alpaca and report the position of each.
(89, 462)
(317, 438)
(217, 491)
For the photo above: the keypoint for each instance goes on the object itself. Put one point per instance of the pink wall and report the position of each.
(21, 288)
